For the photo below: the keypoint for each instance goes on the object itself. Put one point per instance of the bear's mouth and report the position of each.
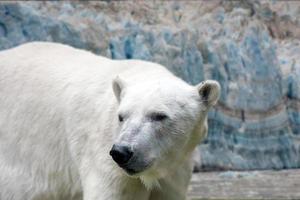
(131, 171)
(135, 169)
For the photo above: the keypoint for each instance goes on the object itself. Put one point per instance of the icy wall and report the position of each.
(251, 47)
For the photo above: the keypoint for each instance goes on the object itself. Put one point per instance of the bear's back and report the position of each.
(46, 62)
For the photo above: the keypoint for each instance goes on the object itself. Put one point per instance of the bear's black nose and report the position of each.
(121, 154)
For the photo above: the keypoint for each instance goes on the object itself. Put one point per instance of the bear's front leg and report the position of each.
(175, 185)
(112, 184)
(169, 190)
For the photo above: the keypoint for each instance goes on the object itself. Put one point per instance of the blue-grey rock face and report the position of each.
(252, 48)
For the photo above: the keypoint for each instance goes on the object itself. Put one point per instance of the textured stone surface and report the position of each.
(251, 47)
(245, 185)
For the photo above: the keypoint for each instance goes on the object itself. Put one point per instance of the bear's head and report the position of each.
(160, 124)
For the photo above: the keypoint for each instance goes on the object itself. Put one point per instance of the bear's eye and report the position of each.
(121, 118)
(158, 116)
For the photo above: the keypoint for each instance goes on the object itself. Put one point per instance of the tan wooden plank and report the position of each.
(245, 185)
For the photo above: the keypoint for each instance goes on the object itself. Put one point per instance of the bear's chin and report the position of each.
(148, 177)
(150, 181)
(137, 169)
(136, 173)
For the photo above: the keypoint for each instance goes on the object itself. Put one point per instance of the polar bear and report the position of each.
(74, 125)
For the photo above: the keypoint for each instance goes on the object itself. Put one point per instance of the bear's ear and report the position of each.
(209, 92)
(118, 86)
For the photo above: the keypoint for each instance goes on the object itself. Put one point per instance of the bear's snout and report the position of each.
(121, 154)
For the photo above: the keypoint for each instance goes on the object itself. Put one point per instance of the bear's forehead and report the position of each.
(158, 96)
(162, 91)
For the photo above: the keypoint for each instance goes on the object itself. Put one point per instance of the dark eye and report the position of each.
(121, 118)
(158, 116)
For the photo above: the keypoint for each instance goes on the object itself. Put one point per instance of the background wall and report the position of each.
(251, 47)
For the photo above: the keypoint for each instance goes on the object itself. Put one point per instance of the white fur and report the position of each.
(58, 121)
